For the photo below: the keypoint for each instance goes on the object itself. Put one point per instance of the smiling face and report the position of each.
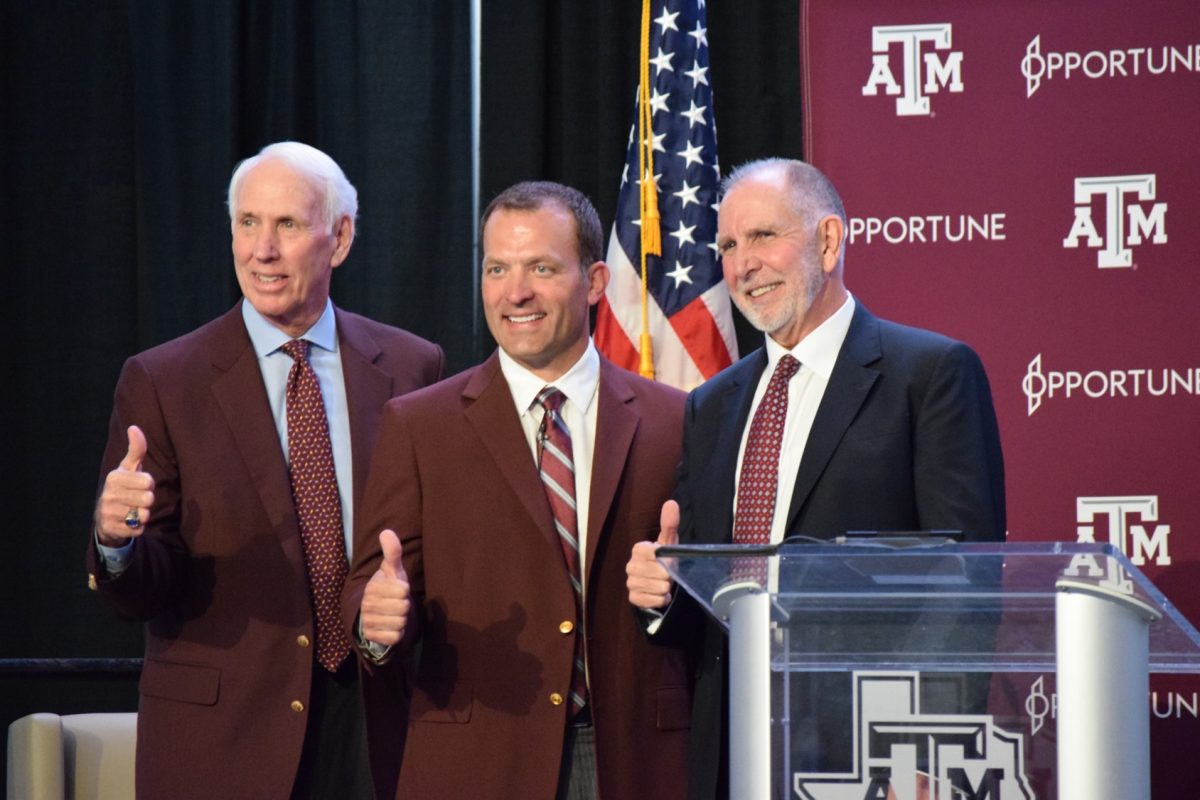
(284, 251)
(780, 268)
(536, 293)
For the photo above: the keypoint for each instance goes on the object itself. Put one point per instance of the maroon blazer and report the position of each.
(454, 477)
(218, 576)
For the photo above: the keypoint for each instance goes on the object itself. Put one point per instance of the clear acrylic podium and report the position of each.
(893, 612)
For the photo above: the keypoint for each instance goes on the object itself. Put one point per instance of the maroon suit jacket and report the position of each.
(219, 574)
(454, 477)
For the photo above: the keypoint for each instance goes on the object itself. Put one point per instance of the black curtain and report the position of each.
(121, 123)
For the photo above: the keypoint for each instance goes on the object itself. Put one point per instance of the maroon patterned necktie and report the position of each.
(315, 491)
(759, 479)
(557, 468)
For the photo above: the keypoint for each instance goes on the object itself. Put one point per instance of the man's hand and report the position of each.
(648, 582)
(385, 604)
(124, 505)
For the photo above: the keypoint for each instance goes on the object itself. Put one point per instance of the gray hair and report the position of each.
(338, 197)
(812, 194)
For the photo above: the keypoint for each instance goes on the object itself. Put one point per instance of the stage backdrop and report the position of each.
(1024, 176)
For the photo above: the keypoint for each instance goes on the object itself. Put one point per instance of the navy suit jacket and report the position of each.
(905, 438)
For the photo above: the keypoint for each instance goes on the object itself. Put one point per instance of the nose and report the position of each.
(738, 264)
(517, 287)
(266, 246)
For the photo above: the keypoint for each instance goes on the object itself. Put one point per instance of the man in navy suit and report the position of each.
(886, 427)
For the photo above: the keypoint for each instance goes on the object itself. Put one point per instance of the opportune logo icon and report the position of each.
(899, 751)
(924, 73)
(1132, 526)
(1126, 223)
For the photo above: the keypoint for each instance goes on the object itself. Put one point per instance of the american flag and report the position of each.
(689, 318)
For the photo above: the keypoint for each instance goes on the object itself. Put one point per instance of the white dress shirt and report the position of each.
(579, 384)
(817, 352)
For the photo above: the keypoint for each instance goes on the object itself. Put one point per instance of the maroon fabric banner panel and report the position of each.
(1025, 177)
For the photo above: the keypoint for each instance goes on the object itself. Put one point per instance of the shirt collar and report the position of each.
(266, 338)
(578, 383)
(819, 350)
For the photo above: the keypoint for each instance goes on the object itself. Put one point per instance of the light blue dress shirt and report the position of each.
(324, 354)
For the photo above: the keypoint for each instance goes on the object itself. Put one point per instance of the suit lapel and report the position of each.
(617, 421)
(732, 410)
(368, 388)
(239, 392)
(849, 384)
(490, 411)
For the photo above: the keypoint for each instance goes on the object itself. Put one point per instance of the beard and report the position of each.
(792, 305)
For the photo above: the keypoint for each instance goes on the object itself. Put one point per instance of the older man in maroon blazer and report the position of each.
(489, 563)
(236, 457)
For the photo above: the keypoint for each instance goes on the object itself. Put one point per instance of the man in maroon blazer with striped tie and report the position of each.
(461, 588)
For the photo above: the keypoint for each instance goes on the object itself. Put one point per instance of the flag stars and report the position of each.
(687, 194)
(691, 154)
(695, 114)
(680, 274)
(653, 182)
(698, 74)
(657, 142)
(700, 34)
(658, 102)
(662, 61)
(666, 21)
(683, 234)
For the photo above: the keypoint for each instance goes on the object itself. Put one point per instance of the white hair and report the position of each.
(338, 197)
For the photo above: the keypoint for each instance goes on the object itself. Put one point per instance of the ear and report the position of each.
(597, 278)
(343, 234)
(830, 233)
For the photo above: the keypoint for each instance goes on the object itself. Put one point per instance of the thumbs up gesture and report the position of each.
(124, 505)
(648, 582)
(385, 604)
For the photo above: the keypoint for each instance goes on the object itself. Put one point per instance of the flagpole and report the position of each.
(476, 172)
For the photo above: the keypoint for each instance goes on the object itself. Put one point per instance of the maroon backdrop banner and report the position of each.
(1025, 177)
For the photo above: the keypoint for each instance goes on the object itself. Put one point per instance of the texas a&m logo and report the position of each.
(1132, 526)
(900, 752)
(1126, 222)
(924, 73)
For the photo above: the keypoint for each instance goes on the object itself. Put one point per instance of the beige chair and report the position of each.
(74, 757)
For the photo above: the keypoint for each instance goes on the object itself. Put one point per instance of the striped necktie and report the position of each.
(557, 469)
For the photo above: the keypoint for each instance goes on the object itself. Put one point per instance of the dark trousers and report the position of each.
(577, 776)
(334, 761)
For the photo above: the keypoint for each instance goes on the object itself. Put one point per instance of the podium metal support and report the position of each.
(1103, 645)
(748, 608)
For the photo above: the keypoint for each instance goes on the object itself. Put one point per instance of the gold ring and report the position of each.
(133, 519)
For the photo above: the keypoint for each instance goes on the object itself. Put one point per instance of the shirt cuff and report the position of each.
(116, 559)
(375, 652)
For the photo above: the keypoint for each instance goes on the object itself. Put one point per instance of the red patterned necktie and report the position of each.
(759, 479)
(315, 491)
(557, 468)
